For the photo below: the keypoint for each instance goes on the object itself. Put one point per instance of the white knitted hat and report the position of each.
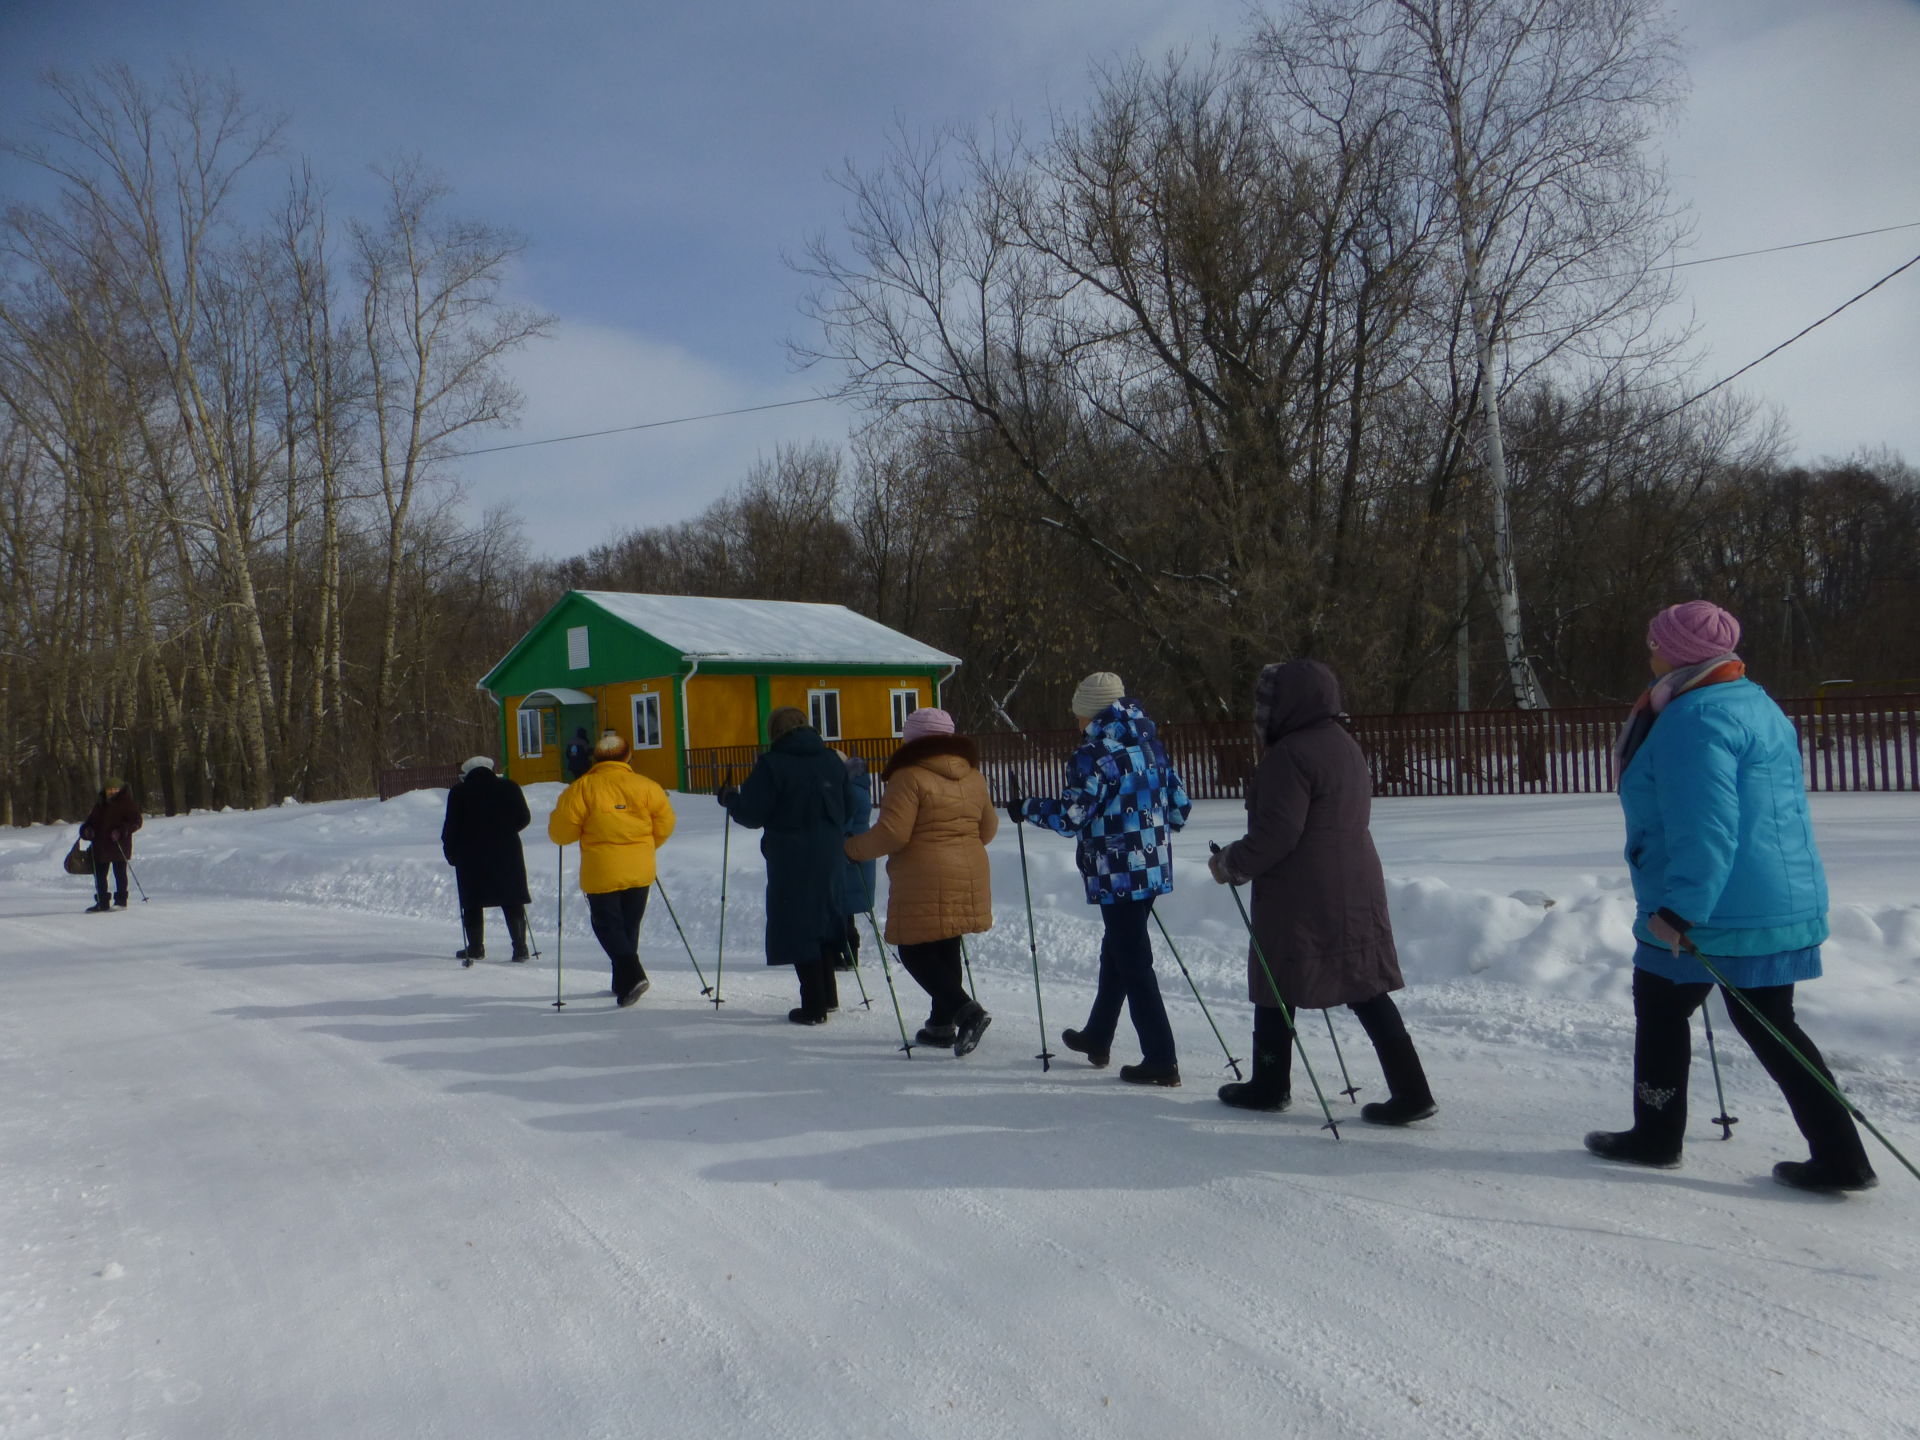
(1096, 692)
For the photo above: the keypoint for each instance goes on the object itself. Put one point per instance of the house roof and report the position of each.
(778, 632)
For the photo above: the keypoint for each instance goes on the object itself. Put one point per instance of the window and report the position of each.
(577, 648)
(646, 722)
(905, 702)
(823, 712)
(529, 734)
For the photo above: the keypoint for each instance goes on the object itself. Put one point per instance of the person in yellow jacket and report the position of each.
(620, 819)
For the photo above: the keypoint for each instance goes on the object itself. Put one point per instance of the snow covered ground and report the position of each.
(272, 1164)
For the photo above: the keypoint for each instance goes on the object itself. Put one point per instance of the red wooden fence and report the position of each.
(1859, 742)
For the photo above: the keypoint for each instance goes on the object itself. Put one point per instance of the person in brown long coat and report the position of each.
(934, 824)
(1319, 897)
(109, 826)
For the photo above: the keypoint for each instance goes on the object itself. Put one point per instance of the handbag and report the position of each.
(79, 859)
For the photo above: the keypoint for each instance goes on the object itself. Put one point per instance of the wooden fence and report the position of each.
(1855, 743)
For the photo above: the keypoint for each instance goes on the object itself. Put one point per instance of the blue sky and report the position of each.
(660, 159)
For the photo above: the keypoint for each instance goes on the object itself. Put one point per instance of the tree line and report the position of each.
(1347, 340)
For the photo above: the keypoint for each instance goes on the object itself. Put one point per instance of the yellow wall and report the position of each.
(866, 711)
(722, 711)
(550, 764)
(616, 713)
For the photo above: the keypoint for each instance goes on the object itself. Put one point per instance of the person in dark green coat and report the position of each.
(800, 795)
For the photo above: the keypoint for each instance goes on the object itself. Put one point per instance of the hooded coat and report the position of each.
(481, 840)
(935, 821)
(109, 826)
(800, 793)
(1319, 896)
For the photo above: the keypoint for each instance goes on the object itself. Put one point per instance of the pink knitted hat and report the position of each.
(1689, 633)
(926, 722)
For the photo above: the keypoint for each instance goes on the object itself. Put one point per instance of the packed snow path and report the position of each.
(274, 1169)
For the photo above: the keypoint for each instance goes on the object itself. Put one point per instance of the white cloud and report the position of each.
(592, 377)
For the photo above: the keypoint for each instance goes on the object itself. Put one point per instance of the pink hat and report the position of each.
(1689, 633)
(926, 722)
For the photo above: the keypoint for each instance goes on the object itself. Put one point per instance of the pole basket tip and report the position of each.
(1045, 1057)
(1234, 1065)
(558, 1005)
(1334, 1126)
(907, 1048)
(1726, 1124)
(1350, 1092)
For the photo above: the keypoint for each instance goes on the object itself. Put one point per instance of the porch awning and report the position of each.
(541, 699)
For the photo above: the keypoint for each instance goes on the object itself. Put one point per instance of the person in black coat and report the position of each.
(579, 753)
(800, 794)
(109, 828)
(481, 840)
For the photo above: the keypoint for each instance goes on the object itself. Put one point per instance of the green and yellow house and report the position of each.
(675, 673)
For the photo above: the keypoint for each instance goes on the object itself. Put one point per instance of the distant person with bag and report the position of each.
(481, 840)
(935, 821)
(1319, 895)
(1721, 852)
(799, 794)
(109, 828)
(621, 819)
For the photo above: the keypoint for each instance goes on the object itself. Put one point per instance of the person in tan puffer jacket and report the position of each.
(934, 824)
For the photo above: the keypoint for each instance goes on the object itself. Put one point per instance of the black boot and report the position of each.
(970, 1024)
(1098, 1056)
(474, 923)
(517, 928)
(99, 907)
(1271, 1087)
(1408, 1096)
(1824, 1176)
(812, 1008)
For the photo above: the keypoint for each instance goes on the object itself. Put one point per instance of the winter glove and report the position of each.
(727, 794)
(1016, 803)
(1217, 867)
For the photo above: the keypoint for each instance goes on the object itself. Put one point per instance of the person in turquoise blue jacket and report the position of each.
(1720, 847)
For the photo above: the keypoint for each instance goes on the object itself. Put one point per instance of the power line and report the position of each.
(629, 429)
(1729, 379)
(1794, 245)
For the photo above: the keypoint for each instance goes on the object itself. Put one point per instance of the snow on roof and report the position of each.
(772, 631)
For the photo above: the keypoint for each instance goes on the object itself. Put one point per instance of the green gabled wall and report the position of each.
(615, 651)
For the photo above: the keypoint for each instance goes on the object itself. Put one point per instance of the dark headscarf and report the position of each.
(1293, 695)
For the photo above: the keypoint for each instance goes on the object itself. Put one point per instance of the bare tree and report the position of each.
(1535, 116)
(435, 328)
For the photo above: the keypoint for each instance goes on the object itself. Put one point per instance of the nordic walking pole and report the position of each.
(966, 957)
(1352, 1089)
(887, 970)
(1812, 1069)
(559, 922)
(853, 964)
(660, 884)
(720, 950)
(1286, 1011)
(1045, 1057)
(1725, 1121)
(136, 882)
(1233, 1063)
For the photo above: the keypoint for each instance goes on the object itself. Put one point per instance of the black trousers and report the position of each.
(1663, 1055)
(1400, 1063)
(474, 921)
(616, 925)
(935, 967)
(100, 879)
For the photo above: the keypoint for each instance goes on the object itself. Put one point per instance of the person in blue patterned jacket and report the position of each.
(1121, 804)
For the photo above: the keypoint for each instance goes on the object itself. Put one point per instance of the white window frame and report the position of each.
(578, 652)
(647, 704)
(894, 697)
(817, 705)
(529, 729)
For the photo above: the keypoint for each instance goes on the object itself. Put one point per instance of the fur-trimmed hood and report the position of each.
(932, 747)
